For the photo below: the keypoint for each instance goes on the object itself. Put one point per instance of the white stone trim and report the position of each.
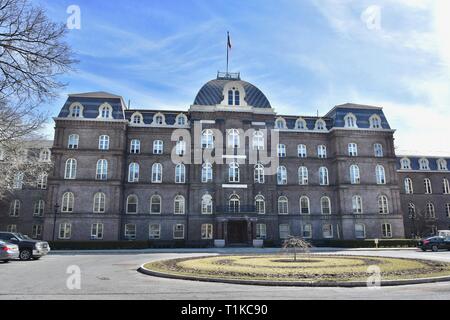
(234, 186)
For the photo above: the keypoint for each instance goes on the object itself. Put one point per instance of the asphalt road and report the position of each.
(114, 276)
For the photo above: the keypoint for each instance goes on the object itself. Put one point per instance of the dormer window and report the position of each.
(320, 125)
(350, 121)
(442, 165)
(105, 111)
(300, 124)
(234, 97)
(137, 118)
(280, 123)
(45, 155)
(181, 120)
(76, 110)
(159, 119)
(375, 122)
(405, 164)
(424, 164)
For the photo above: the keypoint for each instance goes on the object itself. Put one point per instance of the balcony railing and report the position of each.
(228, 75)
(235, 210)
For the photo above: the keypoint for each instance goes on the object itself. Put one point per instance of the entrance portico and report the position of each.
(237, 231)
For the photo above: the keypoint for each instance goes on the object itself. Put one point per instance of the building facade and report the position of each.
(228, 168)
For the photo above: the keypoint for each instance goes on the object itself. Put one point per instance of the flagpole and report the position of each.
(228, 49)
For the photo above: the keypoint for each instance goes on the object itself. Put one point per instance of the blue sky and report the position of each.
(304, 55)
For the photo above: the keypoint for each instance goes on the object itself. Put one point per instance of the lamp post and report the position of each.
(56, 207)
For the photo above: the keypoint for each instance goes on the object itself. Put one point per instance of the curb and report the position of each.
(318, 284)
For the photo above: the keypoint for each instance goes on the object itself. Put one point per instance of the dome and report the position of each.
(212, 93)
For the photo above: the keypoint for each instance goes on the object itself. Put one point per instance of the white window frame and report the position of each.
(103, 142)
(70, 172)
(380, 173)
(383, 205)
(99, 203)
(284, 231)
(207, 204)
(65, 231)
(179, 205)
(355, 175)
(357, 204)
(207, 172)
(97, 231)
(158, 147)
(282, 176)
(135, 146)
(324, 179)
(133, 172)
(132, 196)
(327, 231)
(153, 202)
(352, 149)
(102, 170)
(68, 202)
(207, 231)
(73, 141)
(302, 151)
(305, 210)
(179, 227)
(130, 231)
(303, 176)
(283, 205)
(180, 173)
(386, 230)
(154, 233)
(157, 173)
(322, 151)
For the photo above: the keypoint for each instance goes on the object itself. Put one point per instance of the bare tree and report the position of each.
(33, 54)
(296, 244)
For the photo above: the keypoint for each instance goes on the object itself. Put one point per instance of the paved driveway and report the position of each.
(114, 276)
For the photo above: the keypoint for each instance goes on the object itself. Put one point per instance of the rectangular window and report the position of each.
(207, 231)
(97, 231)
(37, 231)
(386, 229)
(261, 231)
(302, 151)
(178, 231)
(65, 231)
(154, 232)
(307, 231)
(360, 231)
(12, 228)
(327, 230)
(130, 231)
(447, 209)
(352, 149)
(281, 151)
(285, 231)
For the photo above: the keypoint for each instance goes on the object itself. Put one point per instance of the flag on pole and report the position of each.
(229, 41)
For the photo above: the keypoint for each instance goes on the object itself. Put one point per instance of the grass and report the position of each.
(311, 268)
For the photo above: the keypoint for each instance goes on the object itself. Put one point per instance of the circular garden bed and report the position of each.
(308, 270)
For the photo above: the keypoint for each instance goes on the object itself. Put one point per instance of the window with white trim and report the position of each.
(15, 208)
(445, 186)
(234, 204)
(303, 176)
(181, 120)
(233, 172)
(234, 140)
(133, 172)
(357, 205)
(159, 119)
(428, 188)
(283, 205)
(409, 186)
(180, 148)
(352, 149)
(325, 205)
(327, 231)
(178, 231)
(97, 231)
(386, 230)
(180, 173)
(135, 146)
(430, 212)
(73, 141)
(157, 172)
(360, 231)
(11, 228)
(320, 125)
(65, 231)
(99, 202)
(207, 231)
(350, 121)
(207, 139)
(179, 205)
(442, 165)
(137, 118)
(260, 204)
(323, 176)
(102, 170)
(155, 204)
(424, 164)
(285, 231)
(259, 174)
(103, 142)
(281, 150)
(258, 140)
(281, 175)
(322, 152)
(300, 124)
(105, 111)
(158, 147)
(307, 231)
(207, 173)
(355, 177)
(261, 231)
(380, 174)
(304, 205)
(207, 204)
(76, 110)
(378, 150)
(405, 164)
(45, 155)
(154, 231)
(280, 123)
(132, 204)
(375, 122)
(68, 201)
(130, 231)
(18, 181)
(234, 97)
(447, 210)
(301, 151)
(38, 210)
(42, 181)
(36, 232)
(383, 205)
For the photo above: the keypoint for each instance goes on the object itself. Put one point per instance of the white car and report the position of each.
(8, 251)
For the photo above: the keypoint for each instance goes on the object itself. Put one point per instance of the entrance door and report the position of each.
(237, 232)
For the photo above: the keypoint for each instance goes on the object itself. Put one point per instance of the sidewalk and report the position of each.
(215, 250)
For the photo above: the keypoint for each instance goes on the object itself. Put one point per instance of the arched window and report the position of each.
(155, 204)
(135, 147)
(320, 125)
(15, 208)
(375, 122)
(73, 141)
(258, 140)
(207, 139)
(280, 123)
(233, 172)
(234, 97)
(230, 97)
(99, 202)
(352, 149)
(68, 200)
(42, 181)
(159, 119)
(102, 170)
(281, 150)
(103, 142)
(39, 207)
(180, 173)
(411, 211)
(157, 173)
(76, 110)
(442, 165)
(137, 118)
(233, 139)
(383, 205)
(350, 121)
(378, 150)
(445, 186)
(386, 230)
(207, 172)
(181, 120)
(132, 204)
(322, 152)
(259, 174)
(355, 177)
(325, 205)
(260, 204)
(207, 204)
(424, 164)
(300, 124)
(234, 204)
(71, 169)
(283, 205)
(301, 150)
(158, 147)
(180, 148)
(281, 175)
(357, 205)
(428, 188)
(237, 98)
(133, 172)
(45, 155)
(323, 176)
(380, 174)
(105, 111)
(179, 205)
(304, 205)
(405, 164)
(430, 213)
(409, 186)
(303, 176)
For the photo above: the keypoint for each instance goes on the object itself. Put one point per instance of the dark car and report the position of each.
(434, 244)
(29, 248)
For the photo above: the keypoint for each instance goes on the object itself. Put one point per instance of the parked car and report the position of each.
(434, 244)
(8, 251)
(28, 248)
